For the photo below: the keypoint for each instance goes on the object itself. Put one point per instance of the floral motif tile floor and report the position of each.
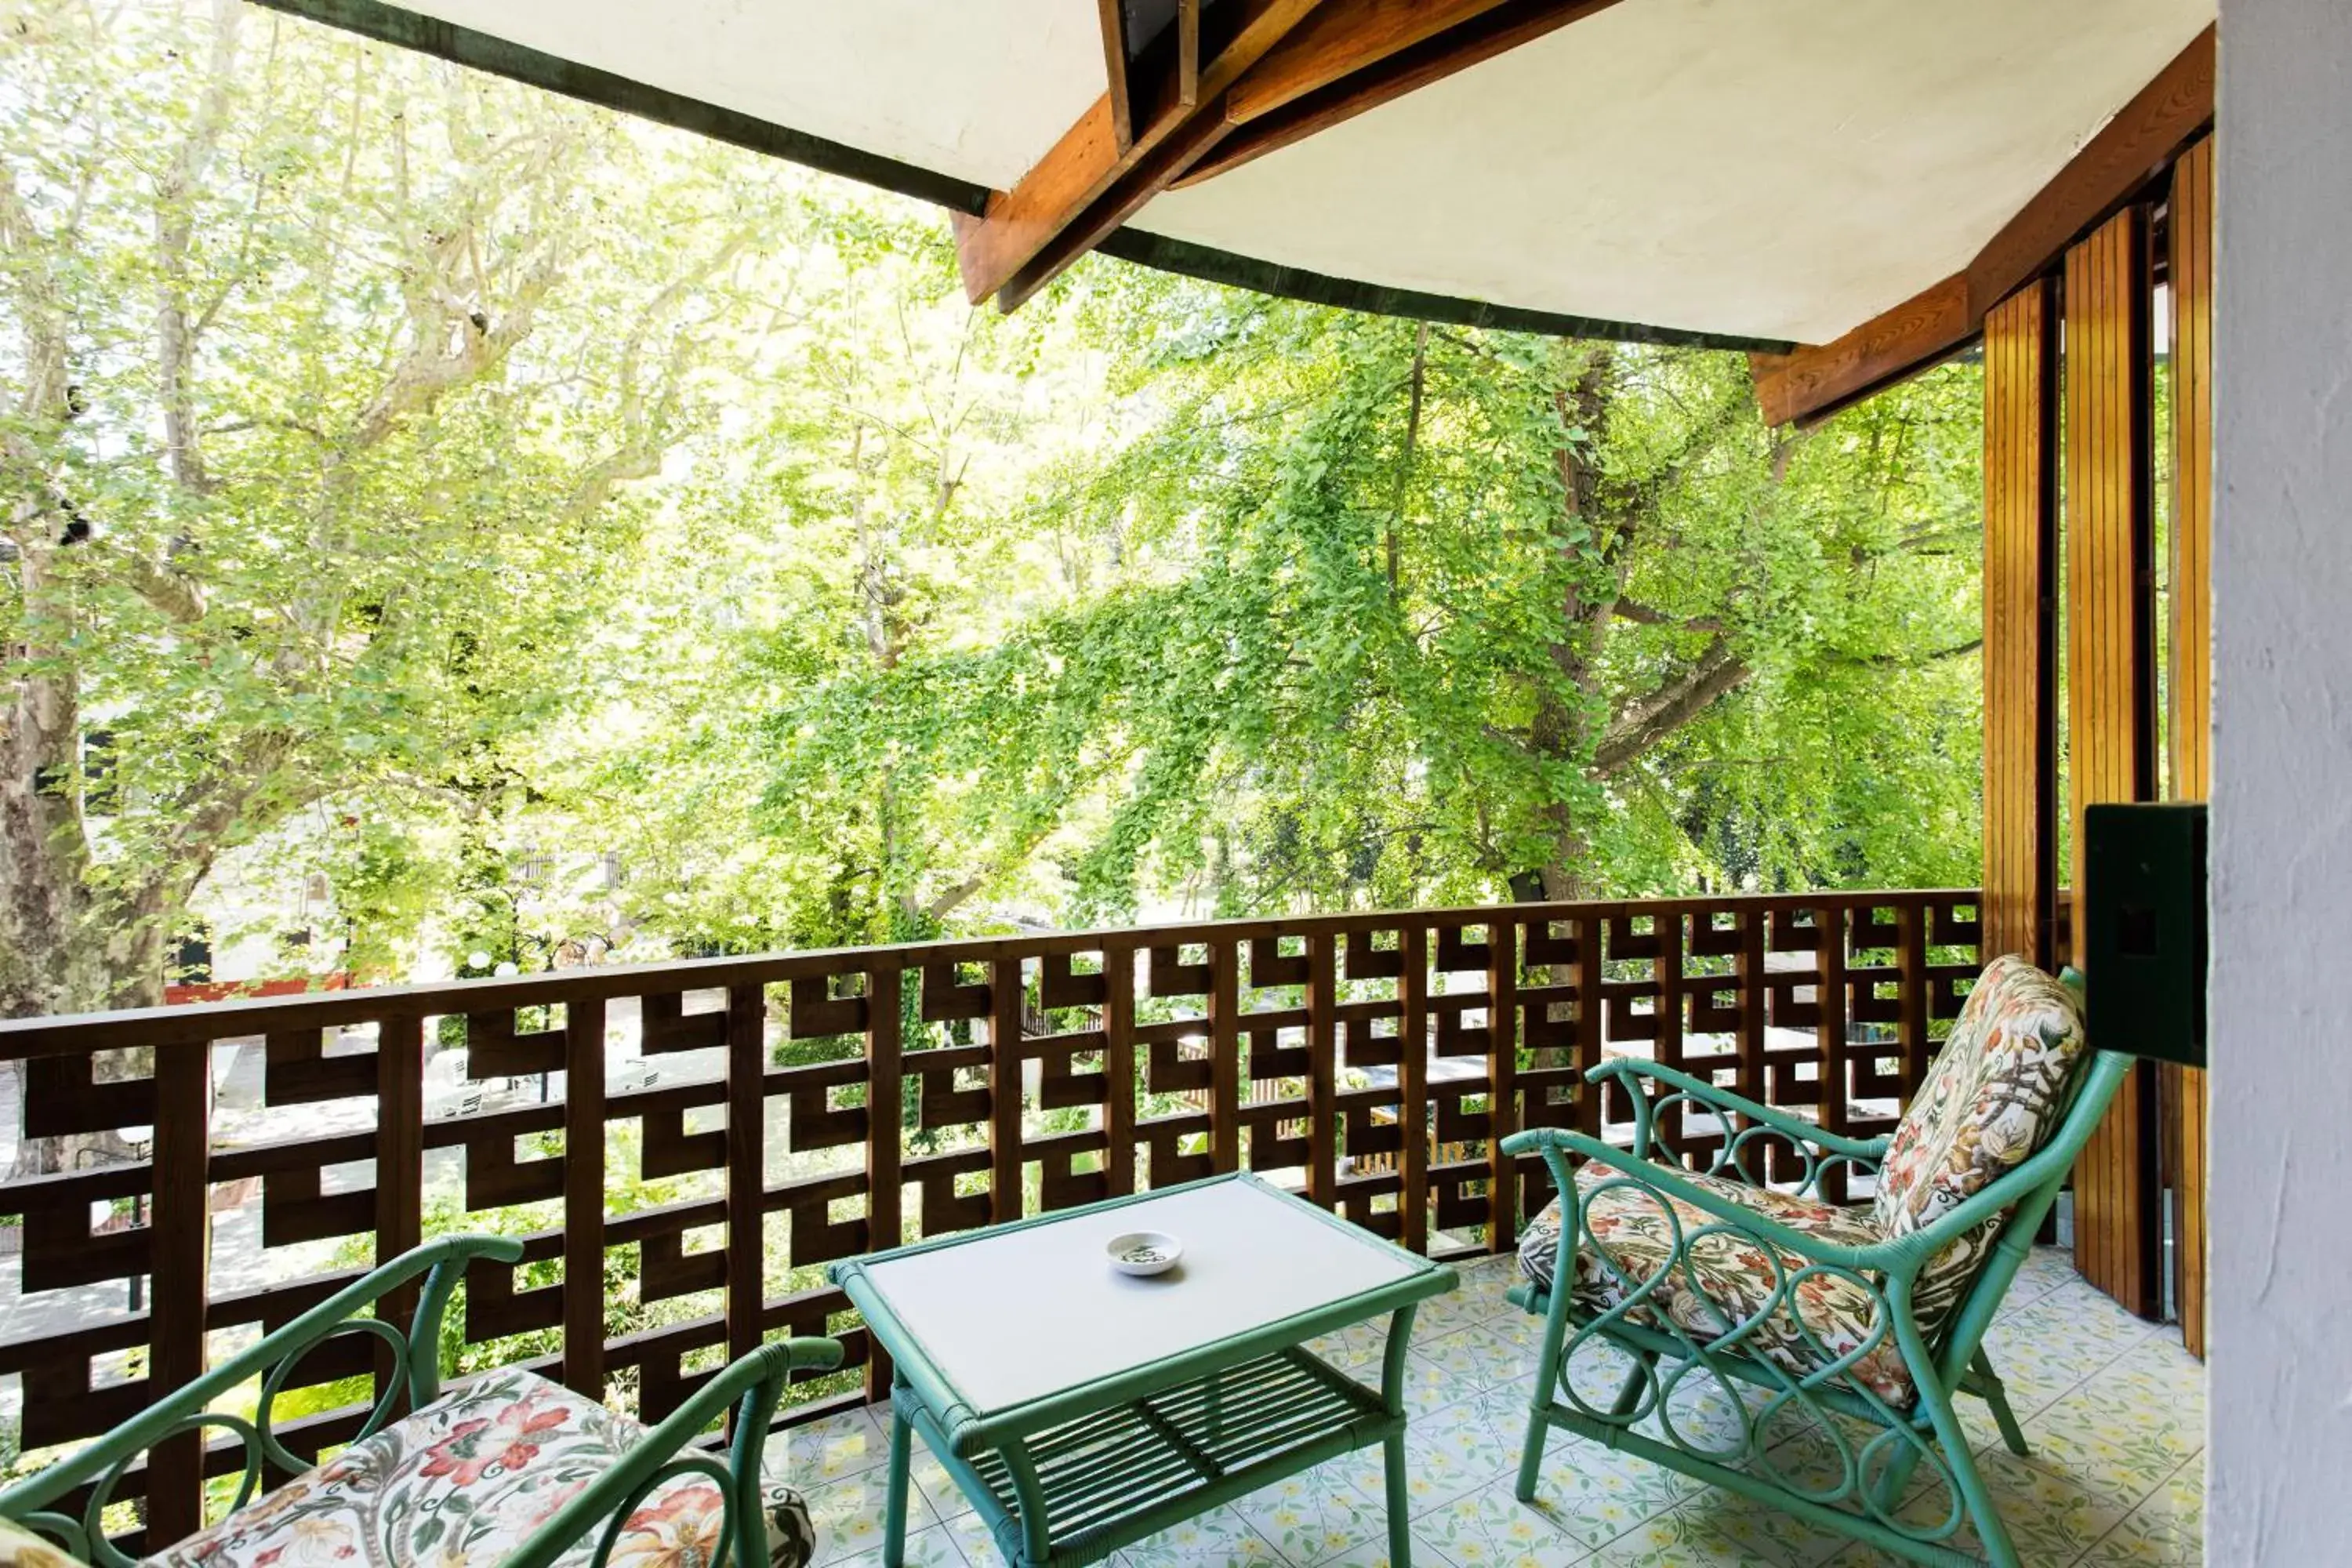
(2114, 1408)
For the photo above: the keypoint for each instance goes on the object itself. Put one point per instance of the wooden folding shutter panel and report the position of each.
(2191, 650)
(2020, 569)
(2110, 649)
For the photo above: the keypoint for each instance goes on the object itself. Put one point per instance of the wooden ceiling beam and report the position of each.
(1092, 157)
(1311, 95)
(1292, 68)
(1809, 385)
(1338, 40)
(1116, 54)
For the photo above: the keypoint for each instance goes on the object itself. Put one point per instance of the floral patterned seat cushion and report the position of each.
(1992, 1096)
(1729, 1278)
(21, 1548)
(463, 1482)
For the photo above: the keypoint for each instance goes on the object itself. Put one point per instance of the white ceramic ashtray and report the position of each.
(1143, 1252)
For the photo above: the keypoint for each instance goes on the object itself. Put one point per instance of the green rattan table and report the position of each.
(1081, 1409)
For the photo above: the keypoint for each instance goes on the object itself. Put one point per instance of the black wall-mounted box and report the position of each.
(2144, 946)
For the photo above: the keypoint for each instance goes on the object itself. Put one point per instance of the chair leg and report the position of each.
(1531, 1452)
(1997, 1395)
(1992, 1532)
(1637, 1377)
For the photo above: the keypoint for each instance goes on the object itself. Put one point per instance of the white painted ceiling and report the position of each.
(1778, 169)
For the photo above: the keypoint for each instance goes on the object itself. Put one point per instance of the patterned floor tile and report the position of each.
(2164, 1531)
(1310, 1521)
(826, 1450)
(2122, 1448)
(1476, 1359)
(1218, 1539)
(1678, 1540)
(972, 1536)
(933, 1548)
(1769, 1534)
(1362, 1470)
(1489, 1528)
(1429, 1387)
(848, 1516)
(1355, 1347)
(1458, 1450)
(1597, 1494)
(1522, 1332)
(2050, 1513)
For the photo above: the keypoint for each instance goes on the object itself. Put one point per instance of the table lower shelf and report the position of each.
(1114, 1475)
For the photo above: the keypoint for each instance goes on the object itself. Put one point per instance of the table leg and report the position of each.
(1393, 1375)
(1400, 1504)
(894, 1504)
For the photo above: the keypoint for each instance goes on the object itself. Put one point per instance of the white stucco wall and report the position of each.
(2279, 1470)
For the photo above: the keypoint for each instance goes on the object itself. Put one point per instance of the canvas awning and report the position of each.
(1729, 170)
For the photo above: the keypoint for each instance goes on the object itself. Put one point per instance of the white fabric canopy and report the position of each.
(1767, 169)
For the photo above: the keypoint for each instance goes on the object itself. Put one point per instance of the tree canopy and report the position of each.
(556, 530)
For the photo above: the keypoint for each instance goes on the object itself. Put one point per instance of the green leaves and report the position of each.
(559, 485)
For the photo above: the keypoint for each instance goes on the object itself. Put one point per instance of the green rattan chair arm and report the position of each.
(443, 1261)
(754, 1385)
(1780, 1121)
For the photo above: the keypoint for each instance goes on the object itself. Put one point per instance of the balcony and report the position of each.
(681, 1148)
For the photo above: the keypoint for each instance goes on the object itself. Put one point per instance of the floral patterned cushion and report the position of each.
(1728, 1279)
(1995, 1092)
(20, 1547)
(462, 1482)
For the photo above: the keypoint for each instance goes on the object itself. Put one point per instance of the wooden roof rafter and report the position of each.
(1187, 105)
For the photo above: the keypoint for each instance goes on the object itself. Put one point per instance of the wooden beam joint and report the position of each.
(1277, 71)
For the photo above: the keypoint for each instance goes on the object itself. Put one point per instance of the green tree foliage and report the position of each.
(420, 478)
(327, 370)
(1363, 611)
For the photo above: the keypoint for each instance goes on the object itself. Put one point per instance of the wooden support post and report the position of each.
(2018, 905)
(1224, 1056)
(1592, 1018)
(1119, 1067)
(1006, 1198)
(1830, 1032)
(1754, 1077)
(180, 1237)
(747, 1147)
(2110, 410)
(1322, 1070)
(1502, 1080)
(1412, 1086)
(583, 1196)
(886, 1099)
(1911, 992)
(400, 1156)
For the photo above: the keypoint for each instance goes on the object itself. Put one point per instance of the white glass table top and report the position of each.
(1015, 1315)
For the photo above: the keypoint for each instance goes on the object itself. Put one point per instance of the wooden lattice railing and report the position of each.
(711, 1195)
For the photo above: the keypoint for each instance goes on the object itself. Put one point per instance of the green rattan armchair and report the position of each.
(510, 1469)
(1851, 1330)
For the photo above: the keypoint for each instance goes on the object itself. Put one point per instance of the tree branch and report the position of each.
(1634, 610)
(175, 200)
(1650, 719)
